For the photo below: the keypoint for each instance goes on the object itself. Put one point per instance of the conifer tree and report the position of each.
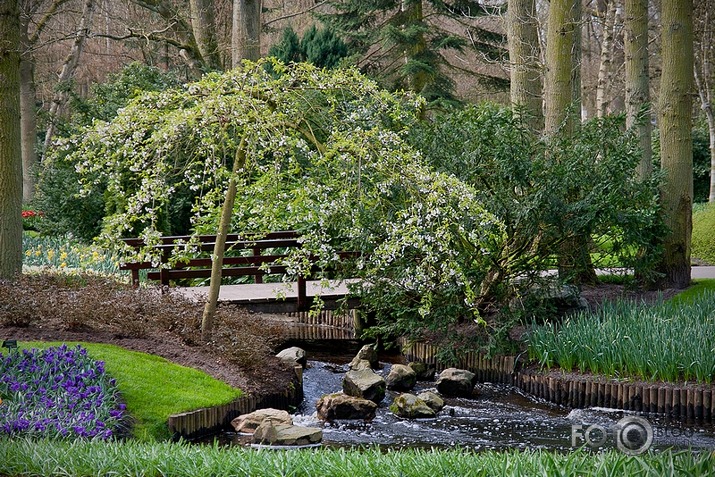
(405, 43)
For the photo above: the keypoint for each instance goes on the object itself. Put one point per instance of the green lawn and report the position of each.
(154, 388)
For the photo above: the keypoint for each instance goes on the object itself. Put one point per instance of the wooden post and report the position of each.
(302, 294)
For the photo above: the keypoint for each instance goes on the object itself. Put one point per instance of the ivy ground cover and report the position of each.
(58, 392)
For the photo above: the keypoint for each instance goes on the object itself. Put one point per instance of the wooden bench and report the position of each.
(255, 263)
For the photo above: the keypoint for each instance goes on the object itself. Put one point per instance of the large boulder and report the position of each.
(365, 384)
(455, 382)
(410, 406)
(432, 399)
(293, 356)
(341, 406)
(424, 371)
(276, 434)
(248, 423)
(369, 353)
(360, 365)
(401, 378)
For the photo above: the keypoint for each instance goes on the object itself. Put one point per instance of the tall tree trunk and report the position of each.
(203, 23)
(525, 74)
(413, 14)
(705, 93)
(68, 69)
(558, 80)
(704, 79)
(676, 145)
(10, 149)
(576, 20)
(562, 84)
(207, 319)
(605, 66)
(246, 31)
(28, 113)
(637, 84)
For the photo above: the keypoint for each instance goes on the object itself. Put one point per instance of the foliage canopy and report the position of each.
(326, 155)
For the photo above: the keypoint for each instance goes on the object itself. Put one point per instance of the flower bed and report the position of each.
(58, 392)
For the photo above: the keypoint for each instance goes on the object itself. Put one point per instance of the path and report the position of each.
(282, 297)
(273, 297)
(703, 272)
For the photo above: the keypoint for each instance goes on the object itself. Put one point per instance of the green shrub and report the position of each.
(703, 244)
(322, 48)
(59, 185)
(578, 185)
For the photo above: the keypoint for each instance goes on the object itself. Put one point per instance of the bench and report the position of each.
(255, 262)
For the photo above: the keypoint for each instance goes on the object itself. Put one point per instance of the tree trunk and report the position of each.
(203, 23)
(525, 75)
(207, 319)
(558, 80)
(28, 114)
(246, 32)
(10, 149)
(413, 14)
(704, 79)
(605, 66)
(576, 14)
(676, 145)
(637, 84)
(562, 84)
(68, 69)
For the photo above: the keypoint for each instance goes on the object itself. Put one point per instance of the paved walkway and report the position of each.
(703, 272)
(262, 293)
(258, 293)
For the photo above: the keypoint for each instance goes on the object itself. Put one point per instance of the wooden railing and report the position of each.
(256, 265)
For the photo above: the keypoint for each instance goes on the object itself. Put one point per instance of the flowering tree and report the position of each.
(317, 151)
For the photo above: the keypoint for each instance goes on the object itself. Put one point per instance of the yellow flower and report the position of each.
(37, 253)
(50, 254)
(63, 255)
(28, 253)
(63, 265)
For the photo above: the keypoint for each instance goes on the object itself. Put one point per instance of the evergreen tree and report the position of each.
(406, 43)
(322, 48)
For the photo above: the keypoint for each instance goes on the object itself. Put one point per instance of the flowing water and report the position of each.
(500, 417)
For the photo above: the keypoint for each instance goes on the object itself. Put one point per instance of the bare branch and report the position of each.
(291, 15)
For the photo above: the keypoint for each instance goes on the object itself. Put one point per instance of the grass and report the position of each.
(153, 388)
(130, 458)
(669, 342)
(695, 292)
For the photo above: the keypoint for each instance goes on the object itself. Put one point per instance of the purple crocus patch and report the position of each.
(58, 392)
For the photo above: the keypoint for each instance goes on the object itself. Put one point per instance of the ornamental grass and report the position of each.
(664, 342)
(130, 458)
(58, 392)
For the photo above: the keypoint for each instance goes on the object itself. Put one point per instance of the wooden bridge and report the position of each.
(278, 297)
(261, 258)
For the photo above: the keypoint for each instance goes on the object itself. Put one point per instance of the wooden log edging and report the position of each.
(207, 421)
(687, 402)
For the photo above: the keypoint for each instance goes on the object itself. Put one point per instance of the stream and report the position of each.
(501, 417)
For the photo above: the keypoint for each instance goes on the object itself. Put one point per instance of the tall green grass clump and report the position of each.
(668, 341)
(703, 242)
(129, 458)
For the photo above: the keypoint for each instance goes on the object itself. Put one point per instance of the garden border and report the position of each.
(689, 402)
